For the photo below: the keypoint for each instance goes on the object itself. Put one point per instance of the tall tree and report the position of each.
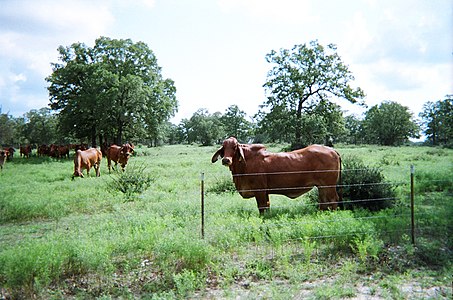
(8, 127)
(437, 120)
(307, 74)
(204, 128)
(40, 126)
(354, 132)
(114, 90)
(235, 123)
(389, 124)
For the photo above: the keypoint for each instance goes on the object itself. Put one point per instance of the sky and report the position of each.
(214, 50)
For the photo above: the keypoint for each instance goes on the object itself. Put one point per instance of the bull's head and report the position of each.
(229, 151)
(127, 150)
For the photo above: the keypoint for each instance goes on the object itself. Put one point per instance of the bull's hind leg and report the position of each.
(328, 198)
(262, 200)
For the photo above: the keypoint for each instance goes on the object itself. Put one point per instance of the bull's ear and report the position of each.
(216, 155)
(241, 153)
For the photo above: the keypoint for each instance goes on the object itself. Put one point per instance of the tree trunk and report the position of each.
(298, 137)
(119, 134)
(93, 136)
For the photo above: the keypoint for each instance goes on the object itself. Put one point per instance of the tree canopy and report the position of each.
(303, 77)
(110, 90)
(389, 124)
(437, 120)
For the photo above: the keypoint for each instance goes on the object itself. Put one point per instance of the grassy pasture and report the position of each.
(63, 238)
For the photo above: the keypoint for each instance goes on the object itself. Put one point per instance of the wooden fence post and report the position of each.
(202, 204)
(412, 206)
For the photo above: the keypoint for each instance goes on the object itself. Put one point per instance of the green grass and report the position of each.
(85, 238)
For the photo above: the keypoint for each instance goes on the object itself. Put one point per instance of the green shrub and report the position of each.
(364, 186)
(433, 181)
(180, 251)
(132, 181)
(223, 185)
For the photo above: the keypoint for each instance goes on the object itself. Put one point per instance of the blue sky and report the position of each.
(214, 50)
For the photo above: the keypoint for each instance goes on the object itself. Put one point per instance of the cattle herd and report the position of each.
(256, 172)
(85, 158)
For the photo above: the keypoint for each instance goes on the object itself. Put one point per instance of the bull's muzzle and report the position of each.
(226, 161)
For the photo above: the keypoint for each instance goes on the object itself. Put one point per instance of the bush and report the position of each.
(433, 181)
(132, 181)
(223, 185)
(364, 186)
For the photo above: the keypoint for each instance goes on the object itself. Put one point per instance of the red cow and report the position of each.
(53, 151)
(11, 151)
(43, 150)
(259, 173)
(25, 151)
(85, 160)
(63, 151)
(119, 155)
(3, 157)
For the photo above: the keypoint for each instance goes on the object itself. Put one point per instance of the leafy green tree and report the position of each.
(389, 124)
(114, 90)
(277, 125)
(437, 120)
(321, 123)
(204, 128)
(40, 126)
(8, 132)
(306, 74)
(235, 123)
(354, 130)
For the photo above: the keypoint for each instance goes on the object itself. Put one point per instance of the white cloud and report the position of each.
(283, 11)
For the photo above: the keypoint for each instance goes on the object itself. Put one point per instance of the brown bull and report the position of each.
(25, 151)
(10, 153)
(3, 157)
(85, 160)
(259, 173)
(119, 155)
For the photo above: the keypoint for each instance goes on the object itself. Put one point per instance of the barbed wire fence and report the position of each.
(408, 215)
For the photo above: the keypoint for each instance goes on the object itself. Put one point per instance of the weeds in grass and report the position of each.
(223, 185)
(104, 247)
(133, 181)
(309, 247)
(367, 248)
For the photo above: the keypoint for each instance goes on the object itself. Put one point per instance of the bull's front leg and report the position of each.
(97, 167)
(109, 163)
(262, 200)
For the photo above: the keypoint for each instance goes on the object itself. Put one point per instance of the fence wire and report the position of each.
(405, 217)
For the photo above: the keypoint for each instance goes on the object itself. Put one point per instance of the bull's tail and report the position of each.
(340, 186)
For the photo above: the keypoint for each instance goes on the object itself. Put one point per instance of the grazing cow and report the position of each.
(43, 150)
(10, 153)
(85, 160)
(63, 151)
(258, 173)
(3, 157)
(119, 155)
(25, 151)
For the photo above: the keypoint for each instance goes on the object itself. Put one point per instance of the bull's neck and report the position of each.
(238, 167)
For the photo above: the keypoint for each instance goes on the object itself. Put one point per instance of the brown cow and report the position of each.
(63, 151)
(119, 155)
(25, 151)
(43, 150)
(85, 160)
(3, 157)
(10, 151)
(258, 173)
